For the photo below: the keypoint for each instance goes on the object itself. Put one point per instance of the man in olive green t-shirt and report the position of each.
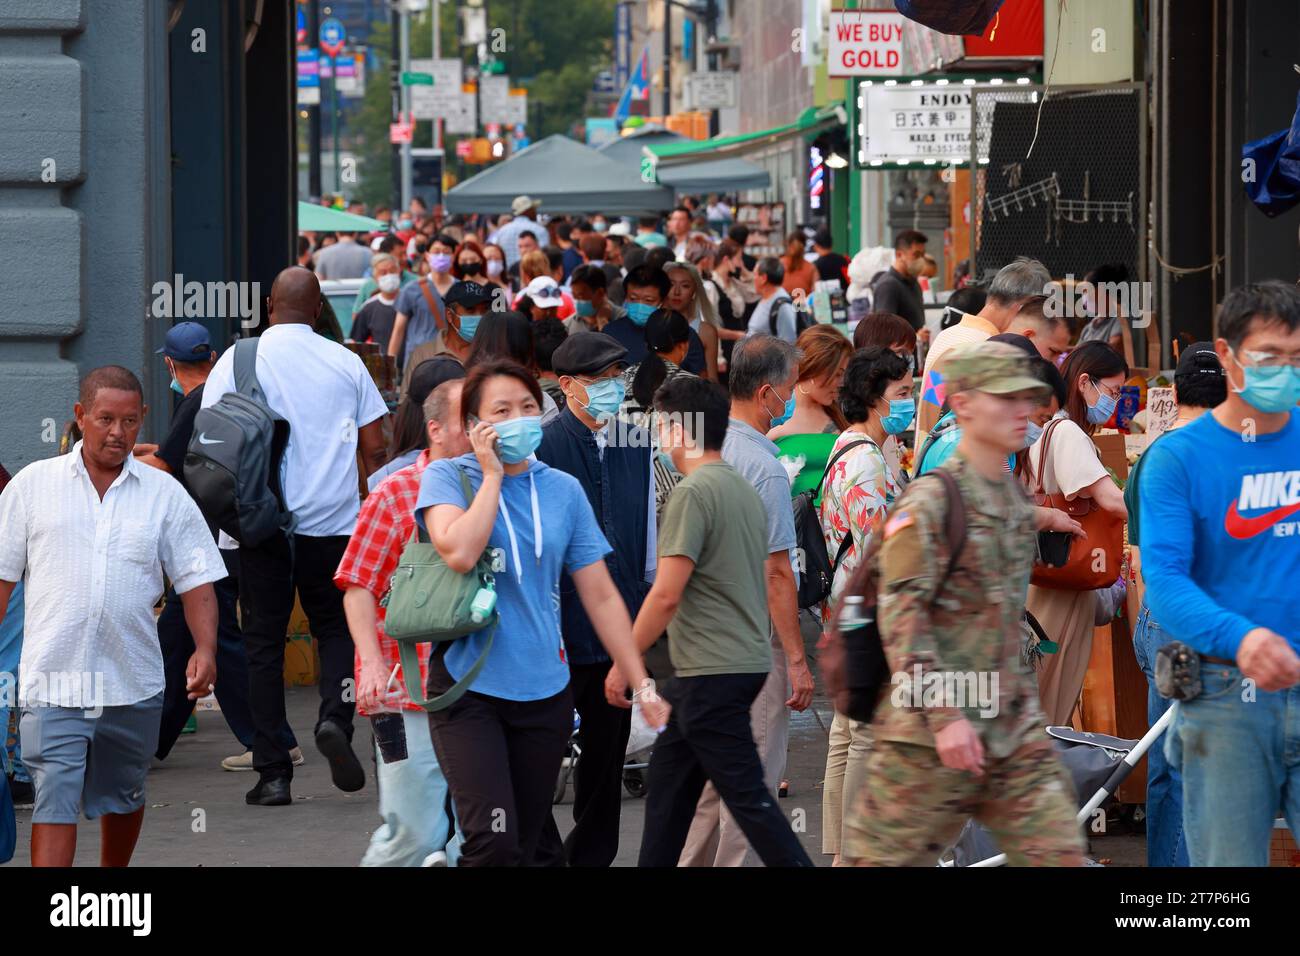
(710, 593)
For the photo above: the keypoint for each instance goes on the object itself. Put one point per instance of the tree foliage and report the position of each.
(554, 48)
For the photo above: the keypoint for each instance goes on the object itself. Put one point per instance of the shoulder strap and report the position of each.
(940, 429)
(840, 454)
(433, 306)
(1044, 456)
(246, 369)
(955, 525)
(411, 666)
(847, 540)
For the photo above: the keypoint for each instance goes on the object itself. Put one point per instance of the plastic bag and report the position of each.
(1271, 168)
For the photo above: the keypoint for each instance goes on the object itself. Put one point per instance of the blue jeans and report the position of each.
(1239, 752)
(1165, 843)
(11, 650)
(413, 796)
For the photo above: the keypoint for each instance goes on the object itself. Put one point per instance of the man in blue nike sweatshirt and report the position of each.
(1220, 514)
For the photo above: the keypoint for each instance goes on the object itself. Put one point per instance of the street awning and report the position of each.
(812, 121)
(566, 176)
(313, 217)
(705, 176)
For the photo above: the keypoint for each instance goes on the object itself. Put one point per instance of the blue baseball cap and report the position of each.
(186, 342)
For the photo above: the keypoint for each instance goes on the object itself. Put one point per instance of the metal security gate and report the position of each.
(1060, 178)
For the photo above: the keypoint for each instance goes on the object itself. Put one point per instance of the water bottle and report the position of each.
(853, 613)
(484, 603)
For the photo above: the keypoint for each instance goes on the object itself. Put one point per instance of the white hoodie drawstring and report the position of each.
(510, 530)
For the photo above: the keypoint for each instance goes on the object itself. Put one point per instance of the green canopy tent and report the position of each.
(672, 155)
(313, 217)
(708, 176)
(567, 177)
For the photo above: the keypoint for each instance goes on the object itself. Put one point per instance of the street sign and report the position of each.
(712, 91)
(442, 99)
(308, 77)
(417, 79)
(401, 131)
(332, 36)
(463, 147)
(517, 107)
(865, 43)
(495, 94)
(300, 25)
(465, 119)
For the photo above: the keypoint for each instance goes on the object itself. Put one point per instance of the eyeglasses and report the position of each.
(1269, 360)
(1105, 390)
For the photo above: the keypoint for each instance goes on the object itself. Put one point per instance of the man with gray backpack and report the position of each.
(273, 463)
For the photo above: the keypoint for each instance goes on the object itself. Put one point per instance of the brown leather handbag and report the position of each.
(1094, 561)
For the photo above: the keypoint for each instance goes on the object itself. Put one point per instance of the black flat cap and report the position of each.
(431, 373)
(587, 353)
(468, 294)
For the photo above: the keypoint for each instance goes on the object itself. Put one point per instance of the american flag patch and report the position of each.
(898, 523)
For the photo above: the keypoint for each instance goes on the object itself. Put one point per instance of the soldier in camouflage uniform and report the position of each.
(941, 760)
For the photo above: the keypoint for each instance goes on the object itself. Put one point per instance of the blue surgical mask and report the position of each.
(1271, 390)
(468, 326)
(519, 437)
(1033, 432)
(176, 387)
(786, 412)
(639, 312)
(584, 308)
(599, 225)
(605, 397)
(901, 412)
(404, 224)
(1099, 414)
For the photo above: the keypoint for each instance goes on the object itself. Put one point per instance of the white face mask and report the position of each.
(494, 267)
(389, 283)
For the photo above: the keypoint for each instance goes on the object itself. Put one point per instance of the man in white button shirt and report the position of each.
(91, 535)
(333, 409)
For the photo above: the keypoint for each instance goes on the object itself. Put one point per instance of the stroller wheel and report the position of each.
(634, 783)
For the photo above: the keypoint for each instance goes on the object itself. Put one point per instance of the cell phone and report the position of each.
(1054, 547)
(496, 445)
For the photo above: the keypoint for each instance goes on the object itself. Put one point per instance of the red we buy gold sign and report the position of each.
(865, 43)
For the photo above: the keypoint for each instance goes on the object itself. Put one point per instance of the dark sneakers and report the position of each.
(345, 769)
(270, 792)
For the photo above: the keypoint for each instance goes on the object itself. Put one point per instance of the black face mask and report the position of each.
(471, 268)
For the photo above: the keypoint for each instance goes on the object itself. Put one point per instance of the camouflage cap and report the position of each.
(994, 367)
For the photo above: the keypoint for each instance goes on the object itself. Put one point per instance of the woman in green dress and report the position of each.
(811, 431)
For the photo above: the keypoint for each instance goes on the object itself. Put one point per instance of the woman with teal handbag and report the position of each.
(501, 744)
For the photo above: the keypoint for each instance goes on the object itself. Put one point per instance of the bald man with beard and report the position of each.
(333, 410)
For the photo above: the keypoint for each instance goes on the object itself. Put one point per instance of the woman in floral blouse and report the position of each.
(876, 398)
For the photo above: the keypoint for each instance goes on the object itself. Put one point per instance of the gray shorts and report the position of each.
(85, 763)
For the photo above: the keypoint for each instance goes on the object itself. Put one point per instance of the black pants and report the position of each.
(501, 759)
(270, 574)
(709, 738)
(598, 783)
(177, 645)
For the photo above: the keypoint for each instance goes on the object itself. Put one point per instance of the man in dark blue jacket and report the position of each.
(612, 460)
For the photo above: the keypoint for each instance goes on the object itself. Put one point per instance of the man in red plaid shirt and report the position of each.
(414, 800)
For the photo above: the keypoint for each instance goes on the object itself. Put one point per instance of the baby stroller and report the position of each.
(636, 757)
(1097, 763)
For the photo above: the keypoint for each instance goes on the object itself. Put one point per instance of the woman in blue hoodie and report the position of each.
(502, 743)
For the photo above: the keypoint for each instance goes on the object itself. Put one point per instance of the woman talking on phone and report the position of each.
(502, 743)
